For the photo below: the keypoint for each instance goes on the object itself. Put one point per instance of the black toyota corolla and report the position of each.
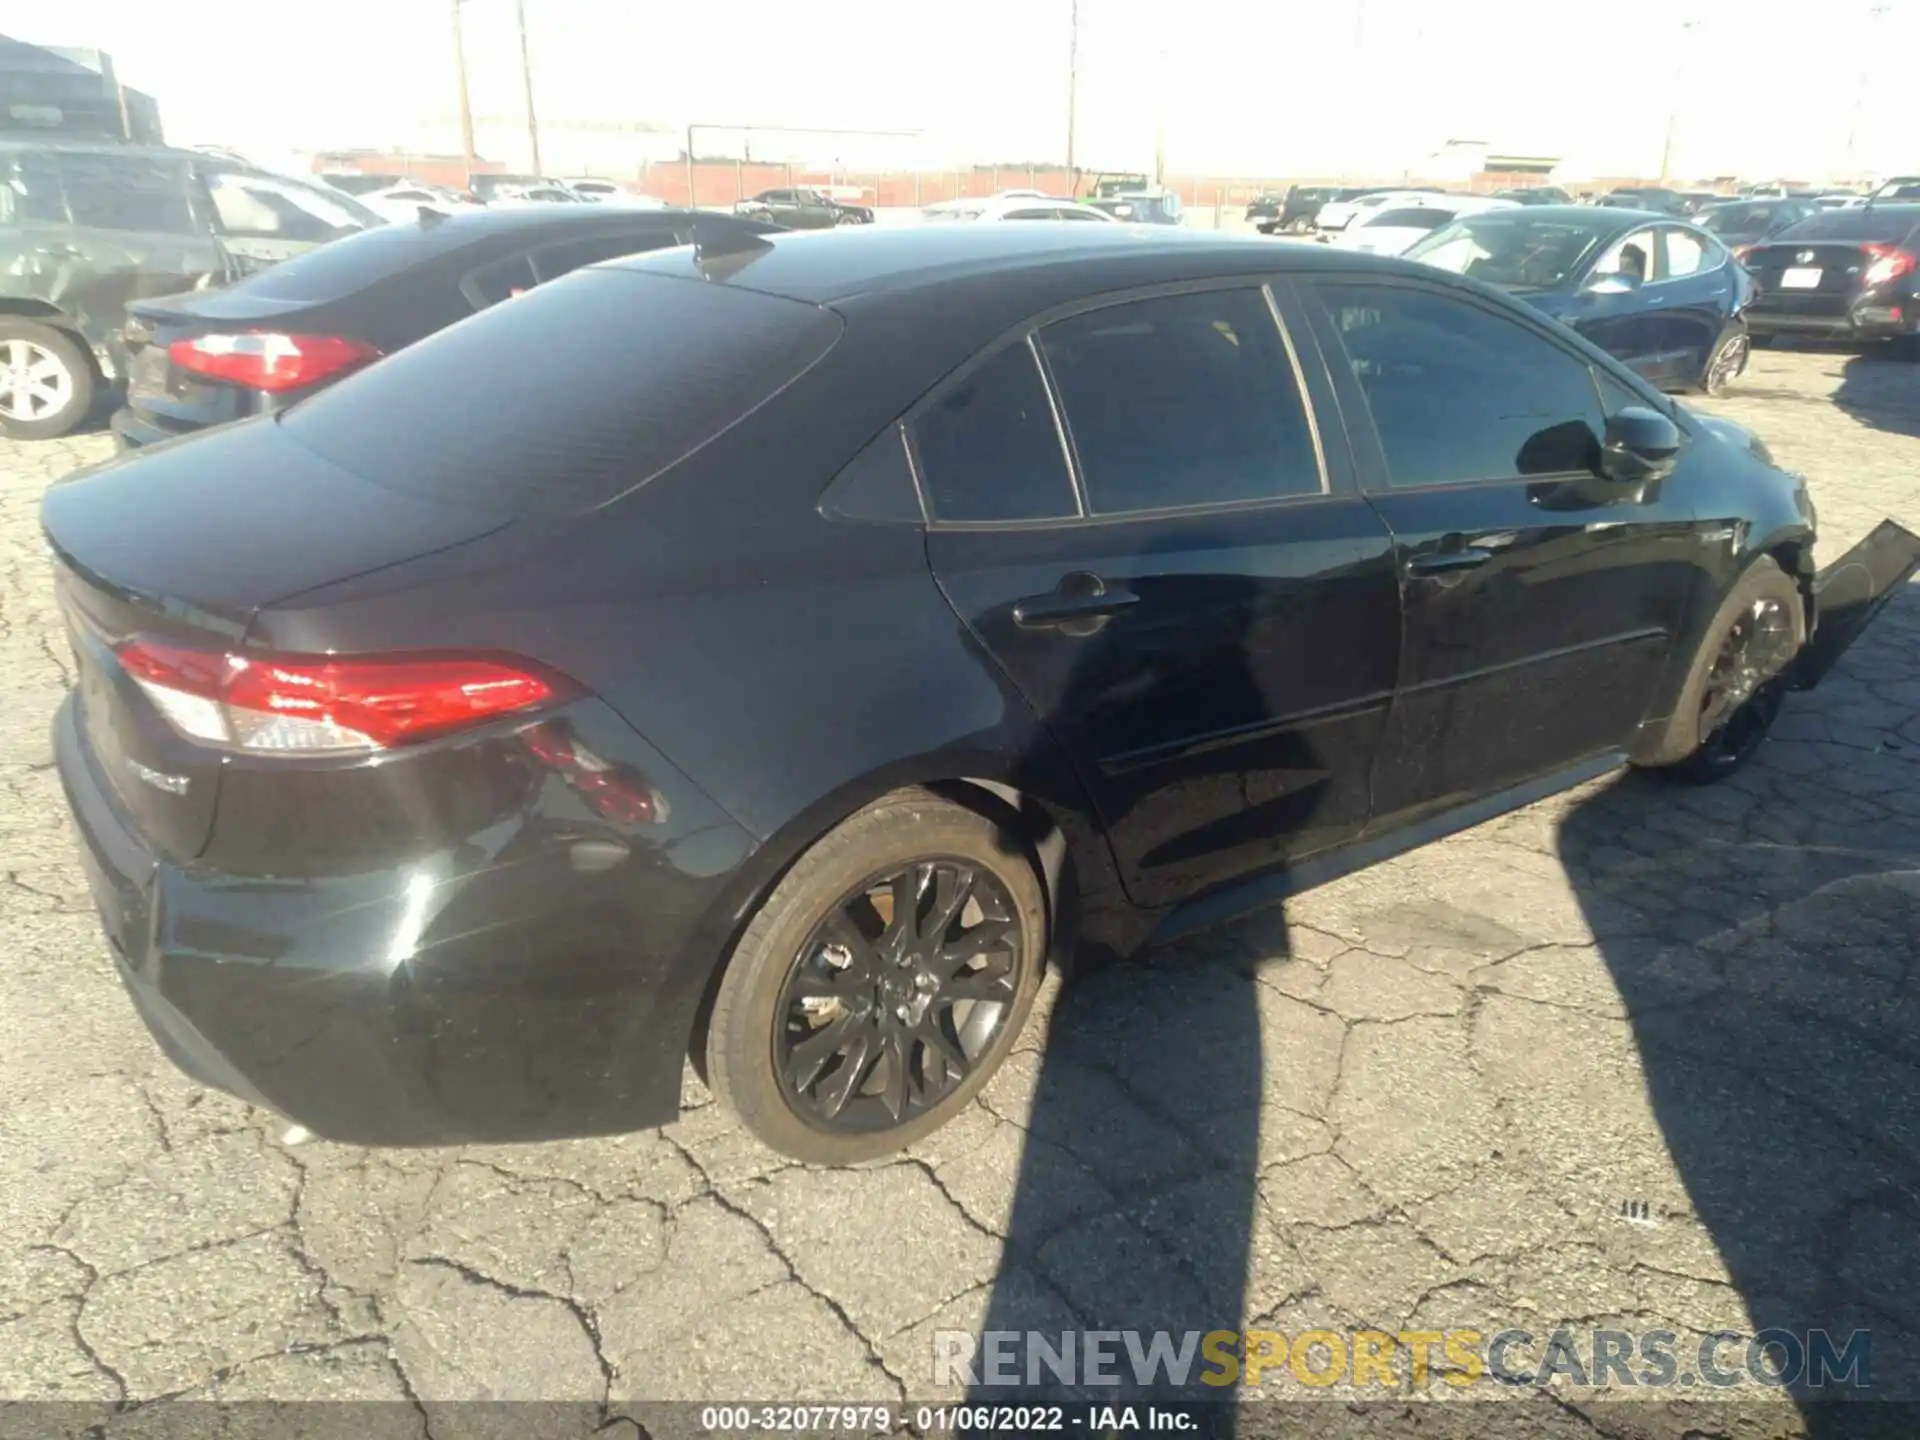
(830, 629)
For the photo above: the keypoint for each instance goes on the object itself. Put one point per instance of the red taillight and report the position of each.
(269, 360)
(326, 704)
(1890, 262)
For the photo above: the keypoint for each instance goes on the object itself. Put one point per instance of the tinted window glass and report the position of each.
(634, 373)
(1459, 393)
(357, 261)
(989, 449)
(1886, 226)
(503, 280)
(127, 192)
(1427, 218)
(1187, 400)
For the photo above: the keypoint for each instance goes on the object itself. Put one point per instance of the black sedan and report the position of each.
(1739, 224)
(1850, 274)
(827, 630)
(210, 356)
(803, 209)
(1661, 295)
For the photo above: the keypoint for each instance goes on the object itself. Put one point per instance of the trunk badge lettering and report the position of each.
(159, 779)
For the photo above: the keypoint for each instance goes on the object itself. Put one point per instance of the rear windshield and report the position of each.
(353, 262)
(1862, 223)
(565, 398)
(1430, 217)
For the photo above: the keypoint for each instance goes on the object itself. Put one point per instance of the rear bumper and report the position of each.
(131, 430)
(1864, 321)
(537, 982)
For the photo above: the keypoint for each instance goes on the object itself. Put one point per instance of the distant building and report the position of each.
(51, 89)
(1476, 163)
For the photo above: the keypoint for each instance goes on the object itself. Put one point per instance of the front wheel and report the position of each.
(882, 983)
(1738, 681)
(1727, 363)
(46, 381)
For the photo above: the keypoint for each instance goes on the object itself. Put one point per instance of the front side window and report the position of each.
(1181, 401)
(1631, 256)
(1460, 394)
(260, 207)
(989, 449)
(1512, 247)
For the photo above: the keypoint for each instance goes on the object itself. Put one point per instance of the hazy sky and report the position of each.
(1242, 87)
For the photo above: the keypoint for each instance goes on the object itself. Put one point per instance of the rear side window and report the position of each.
(127, 192)
(1181, 401)
(553, 261)
(502, 280)
(568, 398)
(988, 447)
(30, 190)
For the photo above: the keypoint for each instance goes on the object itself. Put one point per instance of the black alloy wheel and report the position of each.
(901, 988)
(1745, 687)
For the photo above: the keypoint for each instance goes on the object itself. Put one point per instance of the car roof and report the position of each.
(104, 147)
(828, 267)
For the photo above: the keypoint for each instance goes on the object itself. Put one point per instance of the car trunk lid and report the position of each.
(1811, 277)
(178, 398)
(179, 545)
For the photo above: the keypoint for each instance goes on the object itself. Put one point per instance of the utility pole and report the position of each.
(1860, 91)
(1673, 115)
(526, 80)
(466, 105)
(1073, 82)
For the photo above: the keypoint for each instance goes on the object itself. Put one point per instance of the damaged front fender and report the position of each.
(1848, 593)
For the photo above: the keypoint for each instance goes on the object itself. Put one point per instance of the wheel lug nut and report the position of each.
(925, 982)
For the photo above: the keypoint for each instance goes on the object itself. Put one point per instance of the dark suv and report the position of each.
(1271, 214)
(86, 227)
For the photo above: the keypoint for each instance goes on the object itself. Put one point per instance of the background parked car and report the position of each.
(1663, 296)
(1141, 207)
(1535, 195)
(360, 182)
(1656, 198)
(85, 228)
(403, 203)
(211, 356)
(1298, 209)
(803, 208)
(1339, 214)
(1851, 274)
(1392, 229)
(591, 187)
(1898, 187)
(1025, 207)
(1740, 223)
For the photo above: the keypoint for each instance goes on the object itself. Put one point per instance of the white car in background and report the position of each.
(1013, 207)
(1339, 214)
(401, 203)
(1393, 229)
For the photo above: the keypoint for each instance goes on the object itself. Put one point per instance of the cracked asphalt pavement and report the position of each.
(1637, 1054)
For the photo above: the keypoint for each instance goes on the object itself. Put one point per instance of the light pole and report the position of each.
(1673, 115)
(1073, 82)
(466, 104)
(526, 81)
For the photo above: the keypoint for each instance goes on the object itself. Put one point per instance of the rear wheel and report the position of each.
(46, 381)
(1727, 363)
(1735, 689)
(882, 983)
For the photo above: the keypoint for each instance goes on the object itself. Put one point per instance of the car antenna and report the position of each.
(724, 245)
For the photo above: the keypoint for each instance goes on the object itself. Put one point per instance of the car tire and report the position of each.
(1726, 364)
(60, 376)
(1738, 679)
(820, 957)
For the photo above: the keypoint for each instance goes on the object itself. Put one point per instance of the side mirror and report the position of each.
(1617, 283)
(1640, 446)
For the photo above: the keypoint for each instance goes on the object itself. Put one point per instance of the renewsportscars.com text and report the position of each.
(1408, 1359)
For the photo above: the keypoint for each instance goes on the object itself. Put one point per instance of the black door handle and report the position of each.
(1439, 562)
(1080, 605)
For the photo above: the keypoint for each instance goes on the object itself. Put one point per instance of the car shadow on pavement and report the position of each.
(1877, 389)
(1761, 935)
